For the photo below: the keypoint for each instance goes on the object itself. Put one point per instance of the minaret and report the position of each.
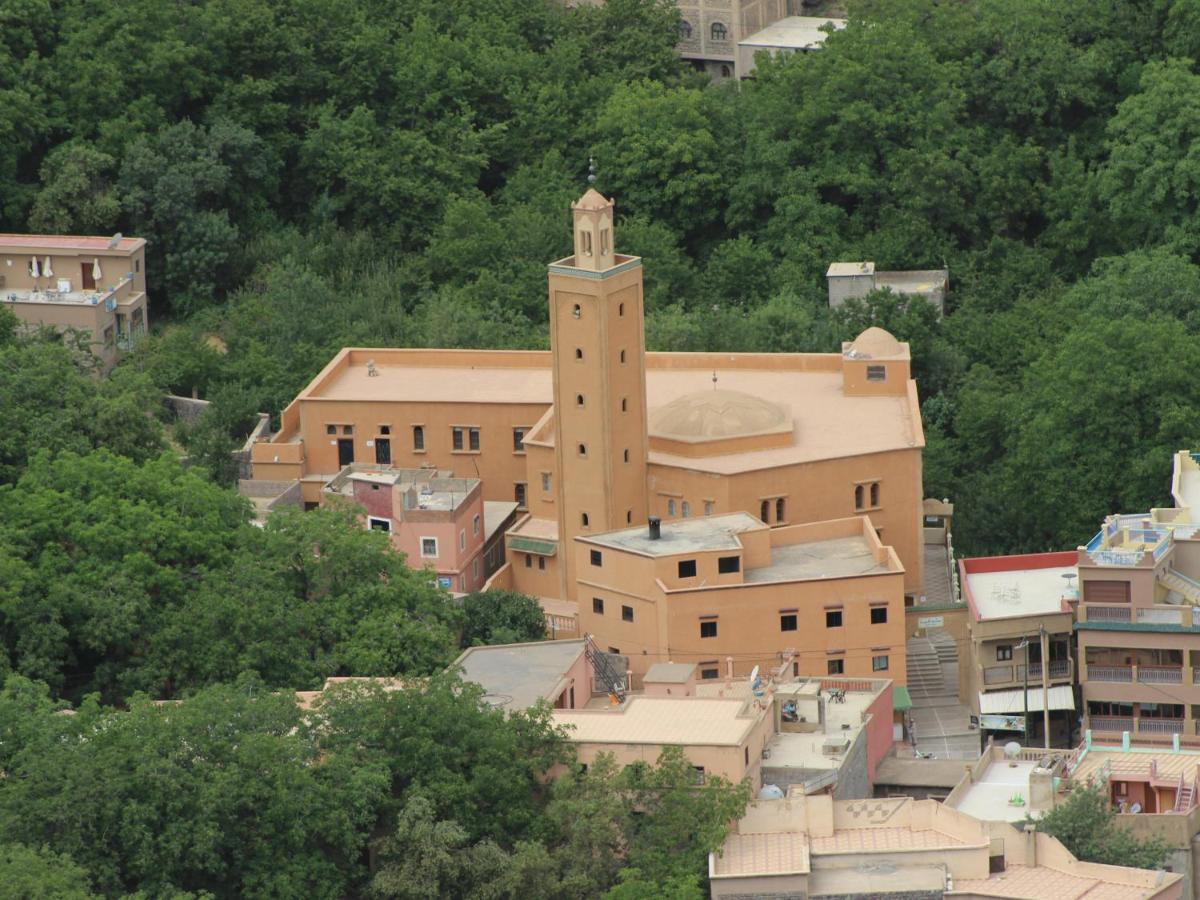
(596, 334)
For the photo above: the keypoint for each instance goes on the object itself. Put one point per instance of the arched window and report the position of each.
(584, 519)
(585, 240)
(858, 496)
(671, 507)
(875, 494)
(577, 312)
(719, 32)
(779, 510)
(726, 72)
(583, 449)
(579, 353)
(687, 510)
(764, 511)
(685, 31)
(579, 399)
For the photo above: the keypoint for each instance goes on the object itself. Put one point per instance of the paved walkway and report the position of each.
(938, 724)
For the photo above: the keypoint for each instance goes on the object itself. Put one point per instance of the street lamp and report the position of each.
(1025, 644)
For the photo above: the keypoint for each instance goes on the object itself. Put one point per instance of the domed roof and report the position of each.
(875, 343)
(717, 414)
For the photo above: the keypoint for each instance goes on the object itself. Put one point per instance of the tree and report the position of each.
(78, 194)
(29, 873)
(1087, 826)
(501, 617)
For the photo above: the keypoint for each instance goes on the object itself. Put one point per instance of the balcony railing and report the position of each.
(1110, 673)
(1107, 613)
(1160, 726)
(997, 674)
(1059, 668)
(1160, 674)
(1110, 723)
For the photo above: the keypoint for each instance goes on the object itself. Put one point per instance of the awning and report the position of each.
(901, 701)
(1010, 702)
(532, 545)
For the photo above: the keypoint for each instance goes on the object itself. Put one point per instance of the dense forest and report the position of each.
(317, 173)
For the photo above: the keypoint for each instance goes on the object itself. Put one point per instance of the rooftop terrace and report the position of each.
(681, 535)
(516, 676)
(687, 721)
(835, 558)
(1005, 587)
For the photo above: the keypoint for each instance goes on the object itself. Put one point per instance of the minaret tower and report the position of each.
(598, 344)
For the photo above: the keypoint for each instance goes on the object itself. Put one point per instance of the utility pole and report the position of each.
(1044, 649)
(1025, 644)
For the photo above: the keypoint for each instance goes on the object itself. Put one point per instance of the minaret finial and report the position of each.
(591, 179)
(714, 379)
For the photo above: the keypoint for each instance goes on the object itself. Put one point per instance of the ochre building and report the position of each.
(597, 436)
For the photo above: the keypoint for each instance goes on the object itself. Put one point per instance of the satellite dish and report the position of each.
(116, 239)
(1012, 749)
(770, 792)
(1136, 808)
(754, 674)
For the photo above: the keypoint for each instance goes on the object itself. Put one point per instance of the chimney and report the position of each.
(655, 528)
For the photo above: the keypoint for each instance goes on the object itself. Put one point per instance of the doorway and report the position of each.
(85, 277)
(345, 451)
(383, 451)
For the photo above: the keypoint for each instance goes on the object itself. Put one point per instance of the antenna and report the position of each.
(116, 239)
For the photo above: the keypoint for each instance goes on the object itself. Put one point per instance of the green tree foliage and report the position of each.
(501, 617)
(29, 873)
(1087, 826)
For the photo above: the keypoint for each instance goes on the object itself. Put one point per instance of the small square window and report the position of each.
(835, 666)
(787, 622)
(833, 618)
(347, 429)
(879, 663)
(383, 525)
(429, 547)
(627, 613)
(385, 429)
(708, 629)
(598, 606)
(878, 615)
(710, 674)
(597, 558)
(1004, 652)
(687, 568)
(876, 373)
(728, 564)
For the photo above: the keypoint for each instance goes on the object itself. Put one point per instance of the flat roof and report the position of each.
(842, 269)
(51, 242)
(793, 33)
(680, 535)
(943, 773)
(826, 424)
(495, 514)
(1167, 763)
(765, 853)
(833, 558)
(516, 676)
(1027, 585)
(987, 797)
(1045, 883)
(669, 673)
(688, 721)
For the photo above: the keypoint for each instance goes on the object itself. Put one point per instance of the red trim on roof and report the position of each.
(68, 242)
(981, 564)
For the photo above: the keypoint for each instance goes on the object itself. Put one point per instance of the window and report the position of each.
(879, 663)
(687, 568)
(579, 353)
(629, 517)
(475, 567)
(685, 31)
(708, 629)
(779, 510)
(622, 356)
(473, 438)
(764, 511)
(347, 429)
(858, 496)
(835, 666)
(519, 493)
(518, 440)
(876, 373)
(627, 613)
(383, 452)
(670, 506)
(418, 437)
(577, 311)
(456, 438)
(597, 558)
(475, 526)
(545, 481)
(429, 547)
(710, 673)
(529, 560)
(385, 429)
(615, 651)
(620, 308)
(685, 508)
(1004, 652)
(719, 32)
(579, 399)
(586, 241)
(462, 540)
(627, 460)
(833, 618)
(583, 520)
(582, 448)
(598, 606)
(697, 774)
(375, 524)
(541, 563)
(624, 405)
(137, 265)
(331, 429)
(726, 72)
(787, 622)
(604, 249)
(878, 615)
(746, 756)
(708, 507)
(729, 564)
(875, 494)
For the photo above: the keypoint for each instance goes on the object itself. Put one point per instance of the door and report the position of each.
(85, 276)
(383, 451)
(345, 451)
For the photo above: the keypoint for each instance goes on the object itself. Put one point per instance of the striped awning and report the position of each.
(1013, 702)
(533, 545)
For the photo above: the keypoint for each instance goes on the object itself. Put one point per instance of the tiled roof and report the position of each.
(857, 840)
(1038, 882)
(67, 242)
(774, 853)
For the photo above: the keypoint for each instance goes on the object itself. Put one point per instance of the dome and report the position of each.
(707, 415)
(875, 343)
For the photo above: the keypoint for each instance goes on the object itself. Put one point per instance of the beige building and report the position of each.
(816, 846)
(96, 285)
(721, 36)
(597, 436)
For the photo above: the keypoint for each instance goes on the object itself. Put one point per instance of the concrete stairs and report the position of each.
(939, 721)
(1177, 581)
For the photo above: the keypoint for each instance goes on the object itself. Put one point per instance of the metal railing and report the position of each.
(1160, 726)
(998, 674)
(1059, 668)
(1116, 557)
(1106, 613)
(1110, 673)
(1110, 723)
(1160, 674)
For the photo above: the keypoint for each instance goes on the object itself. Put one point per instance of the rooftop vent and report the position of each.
(655, 528)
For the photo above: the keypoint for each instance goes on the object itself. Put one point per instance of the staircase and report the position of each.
(932, 666)
(940, 724)
(1177, 581)
(604, 674)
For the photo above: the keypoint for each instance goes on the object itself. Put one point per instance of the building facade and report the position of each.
(96, 285)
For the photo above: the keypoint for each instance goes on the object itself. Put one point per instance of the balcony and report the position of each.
(1122, 674)
(1060, 670)
(1110, 723)
(1160, 674)
(1131, 724)
(1106, 613)
(1160, 726)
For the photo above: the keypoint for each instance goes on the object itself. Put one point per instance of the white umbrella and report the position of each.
(96, 271)
(33, 269)
(46, 270)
